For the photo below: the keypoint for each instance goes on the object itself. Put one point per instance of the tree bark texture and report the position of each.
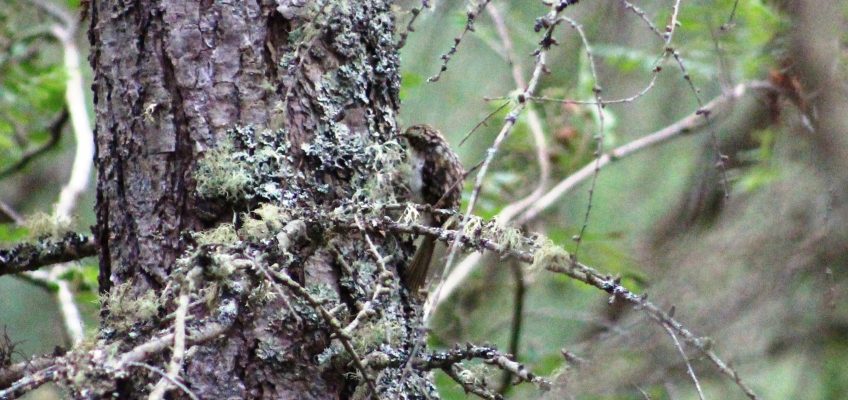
(171, 79)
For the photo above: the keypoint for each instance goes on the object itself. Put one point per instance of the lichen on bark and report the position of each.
(216, 122)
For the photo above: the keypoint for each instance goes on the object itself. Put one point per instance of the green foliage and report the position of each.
(409, 81)
(12, 233)
(764, 171)
(32, 81)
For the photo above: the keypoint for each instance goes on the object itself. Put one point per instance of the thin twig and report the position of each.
(281, 277)
(599, 137)
(460, 375)
(166, 377)
(384, 277)
(55, 131)
(410, 26)
(511, 119)
(471, 16)
(533, 121)
(730, 20)
(642, 14)
(721, 159)
(689, 369)
(11, 213)
(177, 353)
(482, 122)
(687, 125)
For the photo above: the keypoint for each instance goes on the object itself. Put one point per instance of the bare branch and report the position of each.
(32, 256)
(687, 125)
(689, 369)
(55, 131)
(12, 373)
(548, 23)
(469, 27)
(684, 126)
(30, 382)
(176, 364)
(557, 260)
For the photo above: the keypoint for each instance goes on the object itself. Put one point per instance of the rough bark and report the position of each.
(318, 79)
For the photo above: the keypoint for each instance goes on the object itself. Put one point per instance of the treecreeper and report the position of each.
(436, 176)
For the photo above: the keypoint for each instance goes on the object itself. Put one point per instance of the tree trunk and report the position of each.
(313, 88)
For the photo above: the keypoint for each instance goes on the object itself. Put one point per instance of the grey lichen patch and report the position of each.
(325, 294)
(373, 334)
(271, 350)
(249, 167)
(382, 181)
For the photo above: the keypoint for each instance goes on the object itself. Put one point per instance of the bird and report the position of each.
(435, 178)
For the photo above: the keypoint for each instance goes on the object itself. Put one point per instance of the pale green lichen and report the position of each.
(127, 308)
(507, 237)
(222, 174)
(43, 225)
(548, 255)
(264, 222)
(250, 167)
(473, 225)
(223, 234)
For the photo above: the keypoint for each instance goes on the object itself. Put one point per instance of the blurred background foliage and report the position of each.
(722, 44)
